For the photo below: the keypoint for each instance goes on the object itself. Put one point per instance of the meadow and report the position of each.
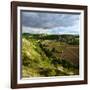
(46, 55)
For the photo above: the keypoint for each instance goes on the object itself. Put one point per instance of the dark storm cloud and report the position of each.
(48, 20)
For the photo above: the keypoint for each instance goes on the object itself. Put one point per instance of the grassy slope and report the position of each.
(36, 63)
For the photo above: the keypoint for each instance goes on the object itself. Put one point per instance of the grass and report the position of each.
(44, 57)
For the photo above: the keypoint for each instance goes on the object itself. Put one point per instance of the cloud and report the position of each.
(51, 23)
(35, 30)
(47, 20)
(57, 30)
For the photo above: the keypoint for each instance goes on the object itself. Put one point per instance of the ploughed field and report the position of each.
(49, 55)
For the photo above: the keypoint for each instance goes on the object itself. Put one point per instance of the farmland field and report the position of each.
(46, 55)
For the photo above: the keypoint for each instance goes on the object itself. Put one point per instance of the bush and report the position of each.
(47, 72)
(25, 59)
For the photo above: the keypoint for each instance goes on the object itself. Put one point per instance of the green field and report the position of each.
(49, 55)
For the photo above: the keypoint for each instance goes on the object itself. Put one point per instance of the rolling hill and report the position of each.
(49, 55)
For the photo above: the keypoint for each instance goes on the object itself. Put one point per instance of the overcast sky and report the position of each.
(50, 23)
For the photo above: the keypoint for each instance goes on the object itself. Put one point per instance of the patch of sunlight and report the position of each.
(61, 68)
(71, 73)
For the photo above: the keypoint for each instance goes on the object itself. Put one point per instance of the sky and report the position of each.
(50, 23)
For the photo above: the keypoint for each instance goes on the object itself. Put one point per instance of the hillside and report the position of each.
(49, 55)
